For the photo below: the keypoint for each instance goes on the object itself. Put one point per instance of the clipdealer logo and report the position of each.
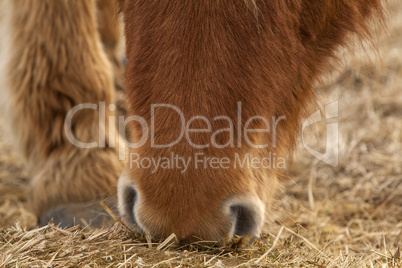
(116, 134)
(331, 154)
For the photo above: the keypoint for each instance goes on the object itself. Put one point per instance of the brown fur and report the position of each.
(205, 56)
(202, 56)
(56, 63)
(109, 26)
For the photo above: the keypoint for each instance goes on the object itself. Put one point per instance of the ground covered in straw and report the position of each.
(344, 216)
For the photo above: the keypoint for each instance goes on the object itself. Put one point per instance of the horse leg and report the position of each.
(54, 61)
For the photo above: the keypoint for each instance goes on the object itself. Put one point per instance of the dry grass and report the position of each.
(347, 216)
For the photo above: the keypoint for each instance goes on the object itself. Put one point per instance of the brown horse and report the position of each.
(204, 58)
(217, 90)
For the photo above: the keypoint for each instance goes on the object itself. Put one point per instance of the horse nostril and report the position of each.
(247, 214)
(245, 221)
(129, 199)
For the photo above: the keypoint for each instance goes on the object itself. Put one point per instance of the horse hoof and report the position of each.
(91, 215)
